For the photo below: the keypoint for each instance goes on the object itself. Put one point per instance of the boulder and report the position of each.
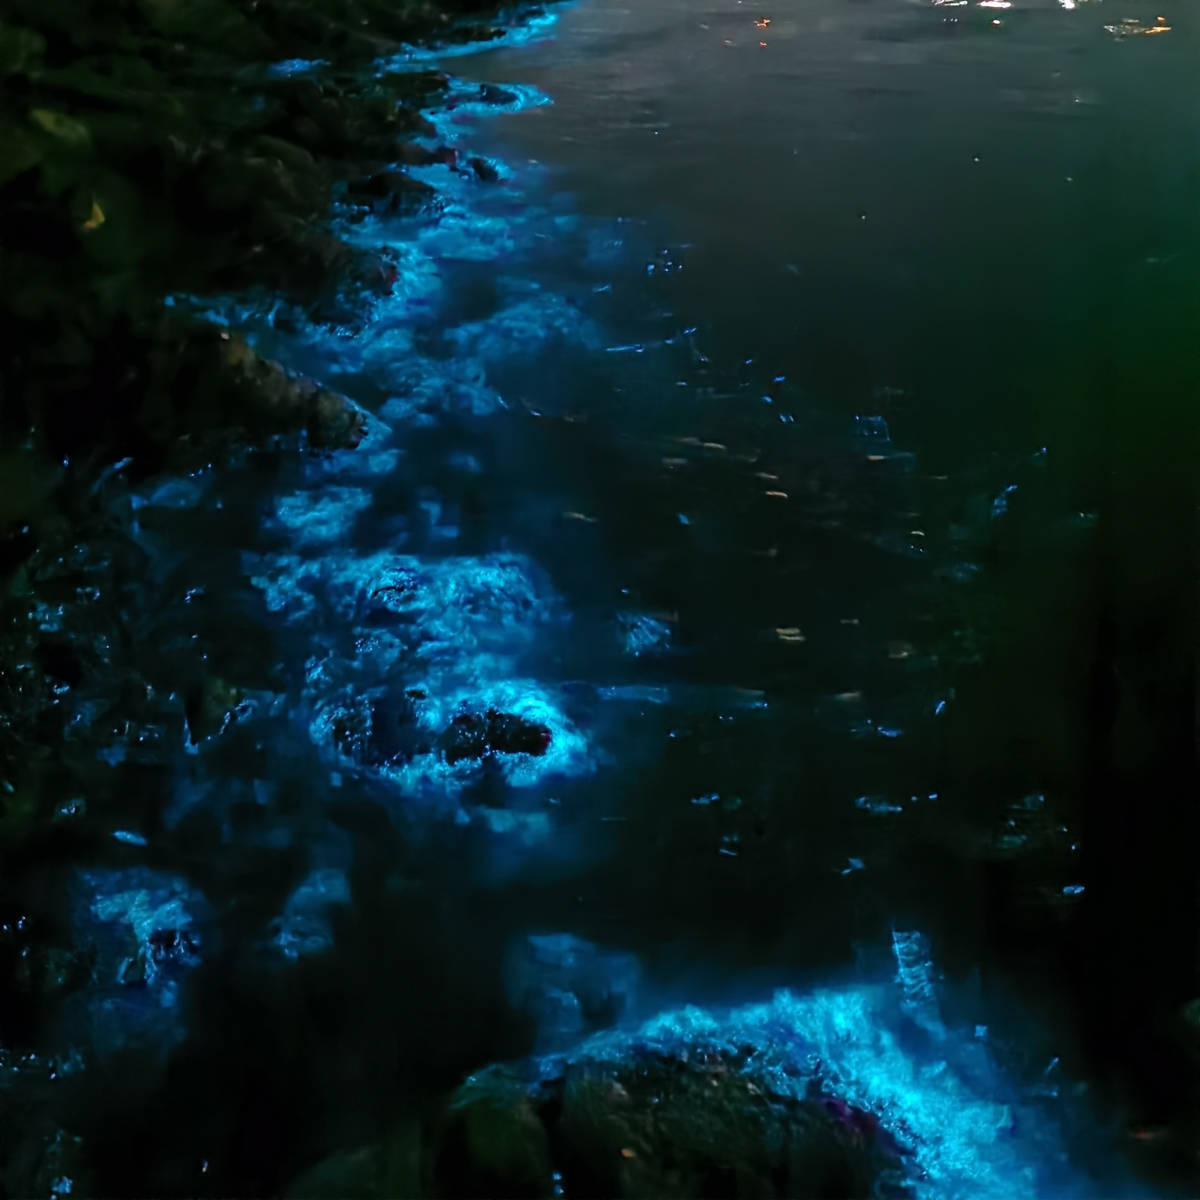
(628, 1116)
(480, 735)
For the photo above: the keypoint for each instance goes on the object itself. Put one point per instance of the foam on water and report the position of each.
(940, 1104)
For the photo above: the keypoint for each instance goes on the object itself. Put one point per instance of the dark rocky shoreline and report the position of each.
(157, 149)
(148, 151)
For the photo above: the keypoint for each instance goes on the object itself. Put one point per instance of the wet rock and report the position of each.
(661, 1125)
(228, 186)
(277, 401)
(634, 1116)
(396, 193)
(480, 735)
(331, 276)
(377, 731)
(412, 154)
(482, 169)
(490, 93)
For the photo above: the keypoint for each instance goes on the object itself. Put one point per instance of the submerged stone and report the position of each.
(396, 192)
(480, 735)
(483, 170)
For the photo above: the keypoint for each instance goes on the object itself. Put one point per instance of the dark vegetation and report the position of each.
(152, 148)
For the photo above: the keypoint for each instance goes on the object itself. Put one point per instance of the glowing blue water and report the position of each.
(486, 548)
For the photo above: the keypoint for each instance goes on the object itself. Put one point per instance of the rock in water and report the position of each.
(631, 1116)
(480, 735)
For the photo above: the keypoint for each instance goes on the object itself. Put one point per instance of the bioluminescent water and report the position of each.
(682, 664)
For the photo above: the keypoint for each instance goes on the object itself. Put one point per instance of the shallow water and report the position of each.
(705, 443)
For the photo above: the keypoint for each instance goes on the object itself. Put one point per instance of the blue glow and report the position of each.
(524, 328)
(1000, 503)
(146, 901)
(448, 635)
(291, 68)
(129, 837)
(877, 806)
(304, 928)
(531, 29)
(958, 1142)
(644, 634)
(568, 985)
(442, 388)
(468, 97)
(327, 516)
(634, 694)
(146, 928)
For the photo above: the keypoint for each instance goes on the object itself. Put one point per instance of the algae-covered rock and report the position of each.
(628, 1117)
(240, 396)
(662, 1125)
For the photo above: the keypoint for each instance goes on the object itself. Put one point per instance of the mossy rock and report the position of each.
(700, 1128)
(634, 1121)
(493, 1142)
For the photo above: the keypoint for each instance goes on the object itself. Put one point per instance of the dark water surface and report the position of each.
(738, 442)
